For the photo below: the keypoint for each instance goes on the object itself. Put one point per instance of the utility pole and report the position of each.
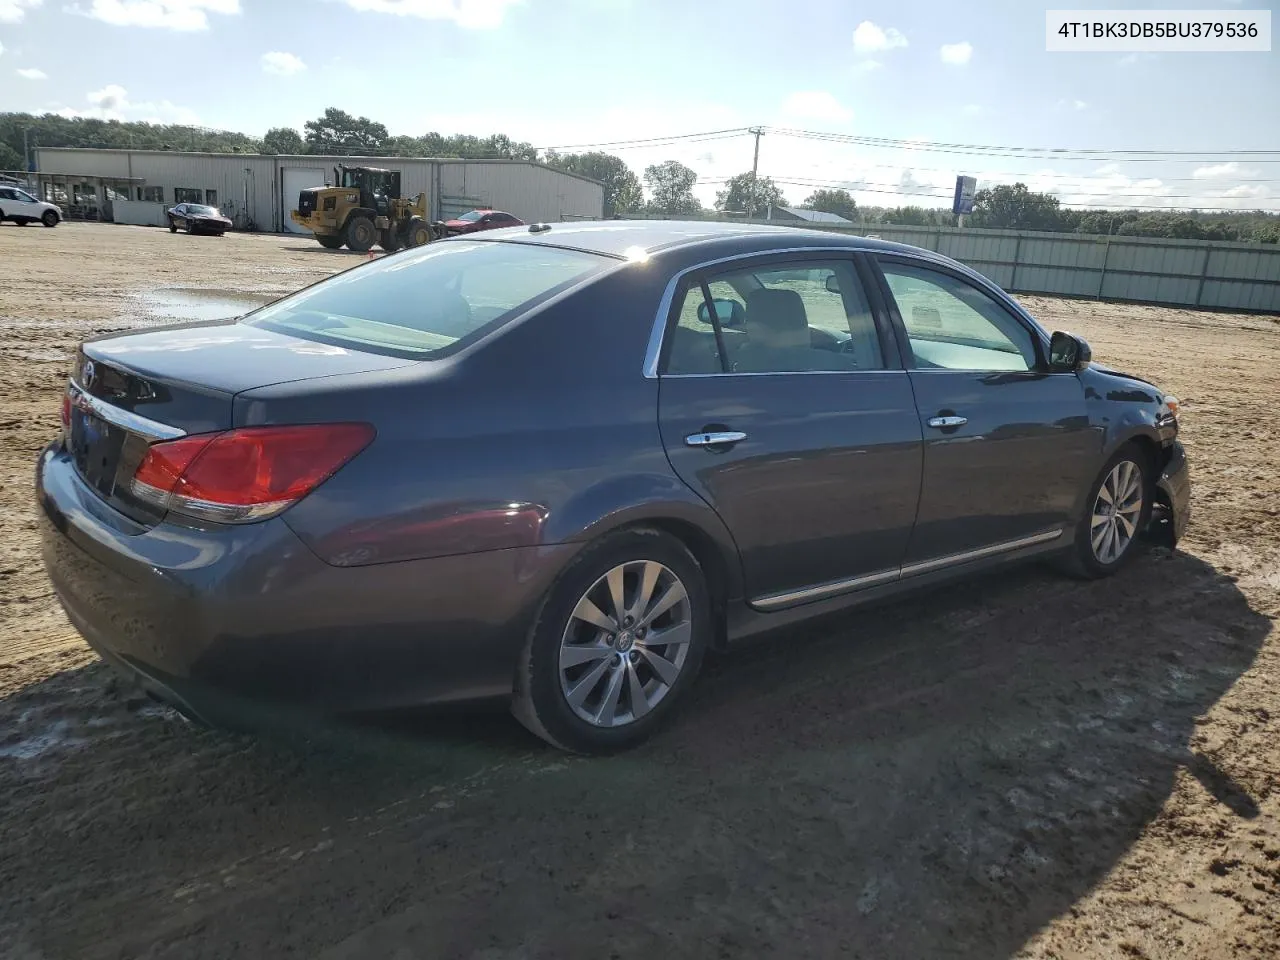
(755, 159)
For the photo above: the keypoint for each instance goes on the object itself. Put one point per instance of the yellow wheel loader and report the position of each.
(364, 208)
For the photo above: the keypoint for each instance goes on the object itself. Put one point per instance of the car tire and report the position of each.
(572, 667)
(173, 226)
(361, 234)
(389, 240)
(21, 223)
(49, 219)
(1107, 538)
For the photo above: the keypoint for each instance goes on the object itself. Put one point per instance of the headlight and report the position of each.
(1169, 408)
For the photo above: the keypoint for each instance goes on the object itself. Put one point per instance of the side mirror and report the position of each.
(833, 283)
(726, 312)
(1067, 352)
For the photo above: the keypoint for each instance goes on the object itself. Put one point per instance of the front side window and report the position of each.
(23, 196)
(809, 316)
(420, 303)
(952, 325)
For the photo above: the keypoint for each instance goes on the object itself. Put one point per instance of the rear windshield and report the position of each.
(422, 302)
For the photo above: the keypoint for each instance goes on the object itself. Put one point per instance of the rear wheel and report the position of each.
(389, 240)
(418, 232)
(1116, 513)
(330, 243)
(50, 219)
(616, 644)
(173, 225)
(361, 234)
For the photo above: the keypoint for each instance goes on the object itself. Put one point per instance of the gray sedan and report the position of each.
(553, 466)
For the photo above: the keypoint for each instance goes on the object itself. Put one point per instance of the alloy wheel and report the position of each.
(1116, 512)
(626, 643)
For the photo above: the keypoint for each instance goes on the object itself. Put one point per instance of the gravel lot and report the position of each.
(1017, 766)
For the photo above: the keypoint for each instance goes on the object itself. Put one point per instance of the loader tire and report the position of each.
(419, 232)
(361, 234)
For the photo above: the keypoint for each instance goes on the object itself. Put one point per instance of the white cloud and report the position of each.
(816, 105)
(957, 54)
(167, 14)
(870, 38)
(1247, 192)
(1078, 104)
(12, 11)
(468, 14)
(282, 64)
(1231, 169)
(112, 103)
(971, 109)
(32, 73)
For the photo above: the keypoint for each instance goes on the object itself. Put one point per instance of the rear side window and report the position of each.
(421, 303)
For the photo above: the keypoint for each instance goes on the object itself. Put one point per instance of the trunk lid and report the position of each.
(130, 390)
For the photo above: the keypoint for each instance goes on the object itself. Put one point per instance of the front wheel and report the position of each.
(618, 641)
(173, 226)
(1116, 513)
(50, 219)
(389, 240)
(361, 234)
(418, 232)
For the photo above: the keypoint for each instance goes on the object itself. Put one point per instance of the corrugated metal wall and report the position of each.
(1196, 273)
(249, 187)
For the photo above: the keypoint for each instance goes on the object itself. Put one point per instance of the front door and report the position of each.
(19, 205)
(1006, 443)
(781, 406)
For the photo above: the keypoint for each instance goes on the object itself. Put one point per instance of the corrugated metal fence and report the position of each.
(1193, 273)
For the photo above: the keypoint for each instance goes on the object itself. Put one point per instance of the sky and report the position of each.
(563, 73)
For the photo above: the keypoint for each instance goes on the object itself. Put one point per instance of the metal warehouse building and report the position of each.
(257, 192)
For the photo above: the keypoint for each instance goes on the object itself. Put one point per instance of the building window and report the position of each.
(211, 197)
(187, 195)
(152, 194)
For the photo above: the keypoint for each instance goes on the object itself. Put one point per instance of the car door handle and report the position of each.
(942, 423)
(714, 439)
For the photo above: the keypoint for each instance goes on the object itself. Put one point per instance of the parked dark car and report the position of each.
(198, 218)
(478, 220)
(555, 465)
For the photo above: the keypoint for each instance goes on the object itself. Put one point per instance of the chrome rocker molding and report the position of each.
(776, 601)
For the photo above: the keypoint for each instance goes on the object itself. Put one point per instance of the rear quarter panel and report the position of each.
(546, 433)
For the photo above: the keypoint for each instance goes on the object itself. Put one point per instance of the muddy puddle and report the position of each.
(195, 304)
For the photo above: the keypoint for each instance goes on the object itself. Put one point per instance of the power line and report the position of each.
(1076, 153)
(658, 141)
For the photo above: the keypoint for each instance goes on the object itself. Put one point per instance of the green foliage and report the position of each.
(51, 130)
(338, 133)
(839, 202)
(749, 194)
(283, 141)
(1017, 208)
(671, 184)
(622, 190)
(10, 159)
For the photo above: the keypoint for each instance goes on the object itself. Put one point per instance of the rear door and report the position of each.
(787, 410)
(1006, 443)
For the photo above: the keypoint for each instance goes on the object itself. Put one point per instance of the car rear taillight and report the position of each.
(247, 474)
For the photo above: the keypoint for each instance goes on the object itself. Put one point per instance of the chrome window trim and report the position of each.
(654, 351)
(776, 601)
(779, 373)
(152, 430)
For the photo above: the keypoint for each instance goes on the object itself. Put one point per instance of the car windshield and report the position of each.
(471, 217)
(421, 302)
(202, 209)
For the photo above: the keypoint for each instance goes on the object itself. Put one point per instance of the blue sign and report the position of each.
(966, 189)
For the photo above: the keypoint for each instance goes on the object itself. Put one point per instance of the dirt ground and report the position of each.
(1017, 766)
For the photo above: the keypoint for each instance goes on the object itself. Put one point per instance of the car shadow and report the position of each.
(937, 776)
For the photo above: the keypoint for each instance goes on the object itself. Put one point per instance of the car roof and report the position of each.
(619, 238)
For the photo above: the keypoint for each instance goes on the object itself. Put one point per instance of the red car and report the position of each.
(478, 220)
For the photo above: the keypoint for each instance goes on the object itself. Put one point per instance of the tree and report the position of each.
(750, 194)
(622, 190)
(839, 202)
(339, 133)
(10, 159)
(671, 184)
(283, 141)
(1016, 207)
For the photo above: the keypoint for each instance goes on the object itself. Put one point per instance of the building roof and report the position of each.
(814, 216)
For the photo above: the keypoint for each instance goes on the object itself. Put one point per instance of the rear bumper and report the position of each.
(1175, 488)
(225, 619)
